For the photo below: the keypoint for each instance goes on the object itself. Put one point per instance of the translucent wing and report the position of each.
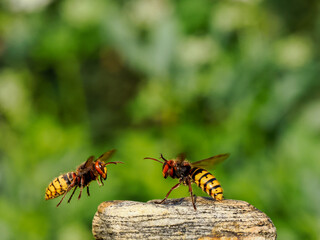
(104, 157)
(181, 157)
(86, 164)
(211, 161)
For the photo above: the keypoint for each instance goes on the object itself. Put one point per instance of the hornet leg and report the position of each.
(68, 189)
(101, 181)
(191, 193)
(81, 187)
(174, 187)
(72, 194)
(88, 191)
(98, 181)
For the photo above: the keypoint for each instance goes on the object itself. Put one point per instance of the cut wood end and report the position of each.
(176, 219)
(104, 205)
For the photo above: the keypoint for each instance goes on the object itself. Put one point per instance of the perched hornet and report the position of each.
(188, 173)
(85, 173)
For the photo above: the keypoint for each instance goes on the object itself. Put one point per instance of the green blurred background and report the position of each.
(146, 77)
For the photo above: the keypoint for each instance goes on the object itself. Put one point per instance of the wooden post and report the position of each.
(176, 219)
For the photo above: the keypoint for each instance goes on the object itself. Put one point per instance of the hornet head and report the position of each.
(102, 169)
(169, 167)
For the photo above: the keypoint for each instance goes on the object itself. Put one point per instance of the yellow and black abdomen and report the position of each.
(207, 182)
(59, 185)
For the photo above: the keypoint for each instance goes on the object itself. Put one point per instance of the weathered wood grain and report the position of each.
(176, 219)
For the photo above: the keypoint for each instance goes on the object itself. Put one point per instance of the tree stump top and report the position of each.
(176, 219)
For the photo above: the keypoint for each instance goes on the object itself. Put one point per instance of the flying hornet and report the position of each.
(188, 173)
(85, 173)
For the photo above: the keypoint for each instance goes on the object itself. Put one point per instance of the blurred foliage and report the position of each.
(153, 76)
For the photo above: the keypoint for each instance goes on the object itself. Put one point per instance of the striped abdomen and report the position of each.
(59, 185)
(207, 182)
